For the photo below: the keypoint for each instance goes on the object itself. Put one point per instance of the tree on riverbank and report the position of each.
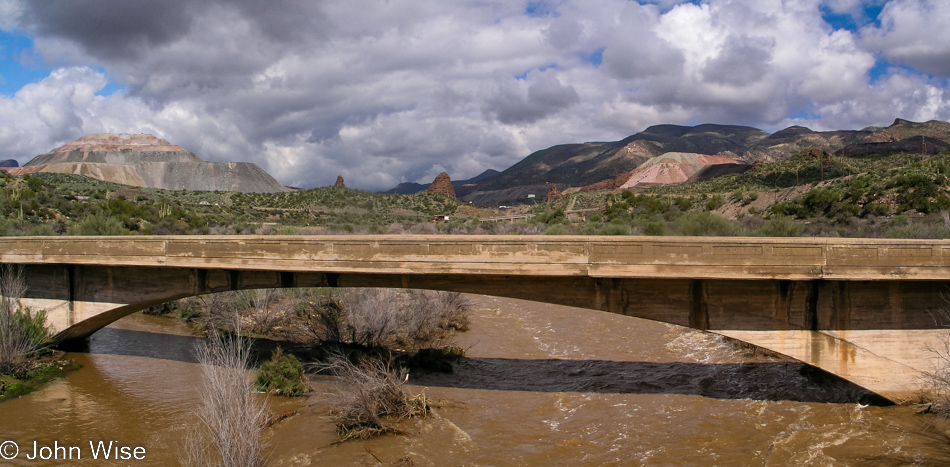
(23, 331)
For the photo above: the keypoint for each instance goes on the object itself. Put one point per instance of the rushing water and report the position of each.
(541, 385)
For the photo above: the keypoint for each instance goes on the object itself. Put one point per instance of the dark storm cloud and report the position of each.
(111, 28)
(546, 96)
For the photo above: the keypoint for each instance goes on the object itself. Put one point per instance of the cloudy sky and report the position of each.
(386, 91)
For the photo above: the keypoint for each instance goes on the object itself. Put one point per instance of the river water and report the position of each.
(540, 385)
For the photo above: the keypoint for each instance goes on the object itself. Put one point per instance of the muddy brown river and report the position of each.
(540, 385)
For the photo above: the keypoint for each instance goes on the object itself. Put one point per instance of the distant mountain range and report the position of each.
(608, 164)
(146, 161)
(661, 154)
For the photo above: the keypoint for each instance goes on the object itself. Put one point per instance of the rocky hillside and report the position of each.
(146, 161)
(610, 165)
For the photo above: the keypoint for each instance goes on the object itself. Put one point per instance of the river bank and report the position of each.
(33, 374)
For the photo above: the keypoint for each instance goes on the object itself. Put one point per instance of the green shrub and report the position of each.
(714, 202)
(654, 228)
(877, 209)
(282, 375)
(187, 310)
(614, 229)
(554, 217)
(97, 224)
(704, 223)
(33, 325)
(780, 226)
(18, 389)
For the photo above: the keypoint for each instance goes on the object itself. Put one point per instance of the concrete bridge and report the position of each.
(865, 310)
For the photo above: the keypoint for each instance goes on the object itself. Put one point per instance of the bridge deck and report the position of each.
(564, 256)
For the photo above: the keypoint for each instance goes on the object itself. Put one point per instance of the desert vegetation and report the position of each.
(892, 196)
(811, 193)
(65, 204)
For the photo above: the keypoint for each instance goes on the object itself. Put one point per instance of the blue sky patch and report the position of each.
(540, 9)
(18, 67)
(110, 88)
(666, 9)
(805, 114)
(596, 58)
(878, 71)
(524, 75)
(848, 21)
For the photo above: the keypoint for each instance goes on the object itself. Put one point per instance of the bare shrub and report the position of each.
(387, 318)
(233, 419)
(264, 310)
(311, 231)
(429, 317)
(220, 230)
(517, 228)
(426, 228)
(935, 385)
(373, 316)
(451, 308)
(220, 309)
(196, 449)
(370, 391)
(23, 331)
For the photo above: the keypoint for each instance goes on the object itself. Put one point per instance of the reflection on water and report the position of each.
(541, 385)
(773, 381)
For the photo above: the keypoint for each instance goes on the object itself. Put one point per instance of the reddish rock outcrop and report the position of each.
(442, 185)
(672, 168)
(553, 194)
(339, 182)
(609, 184)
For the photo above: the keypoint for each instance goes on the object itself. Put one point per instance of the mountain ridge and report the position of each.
(606, 164)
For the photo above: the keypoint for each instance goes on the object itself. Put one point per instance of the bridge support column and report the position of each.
(698, 308)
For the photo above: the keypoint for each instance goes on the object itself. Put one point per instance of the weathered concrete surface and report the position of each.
(862, 309)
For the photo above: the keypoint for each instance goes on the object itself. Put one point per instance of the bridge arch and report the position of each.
(775, 306)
